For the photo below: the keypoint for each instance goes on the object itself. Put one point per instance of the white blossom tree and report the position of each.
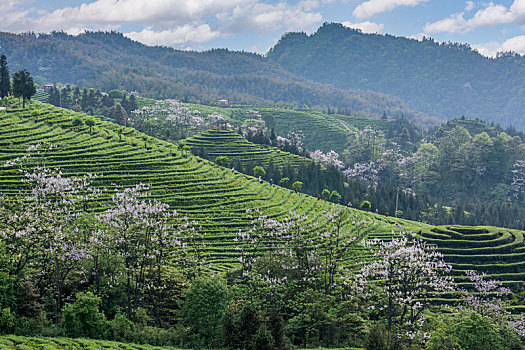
(139, 232)
(397, 284)
(488, 299)
(328, 159)
(518, 179)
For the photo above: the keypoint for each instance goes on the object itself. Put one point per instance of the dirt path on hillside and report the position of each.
(345, 125)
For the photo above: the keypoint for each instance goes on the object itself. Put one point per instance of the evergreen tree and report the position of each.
(5, 83)
(118, 114)
(23, 86)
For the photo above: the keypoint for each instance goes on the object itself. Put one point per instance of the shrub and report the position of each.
(365, 205)
(121, 328)
(380, 338)
(297, 185)
(83, 318)
(77, 122)
(221, 160)
(259, 171)
(335, 196)
(203, 310)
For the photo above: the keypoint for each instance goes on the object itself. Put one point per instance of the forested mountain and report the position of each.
(108, 60)
(447, 80)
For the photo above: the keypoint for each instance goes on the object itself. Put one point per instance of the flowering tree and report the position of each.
(518, 179)
(248, 242)
(328, 159)
(193, 244)
(296, 138)
(42, 232)
(171, 119)
(488, 300)
(367, 172)
(253, 126)
(407, 177)
(334, 243)
(404, 274)
(139, 233)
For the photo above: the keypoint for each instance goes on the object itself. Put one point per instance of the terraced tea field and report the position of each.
(203, 191)
(498, 252)
(232, 145)
(41, 343)
(217, 198)
(31, 343)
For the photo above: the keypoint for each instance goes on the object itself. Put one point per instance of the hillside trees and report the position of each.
(118, 114)
(23, 86)
(137, 231)
(406, 272)
(5, 80)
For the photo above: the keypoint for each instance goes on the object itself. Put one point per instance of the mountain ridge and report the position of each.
(442, 79)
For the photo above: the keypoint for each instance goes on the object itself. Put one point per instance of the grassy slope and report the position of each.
(17, 342)
(228, 143)
(195, 187)
(217, 198)
(30, 343)
(321, 131)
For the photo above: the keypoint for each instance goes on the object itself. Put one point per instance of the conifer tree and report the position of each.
(5, 83)
(23, 86)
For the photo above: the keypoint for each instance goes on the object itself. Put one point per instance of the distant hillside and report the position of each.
(111, 61)
(444, 80)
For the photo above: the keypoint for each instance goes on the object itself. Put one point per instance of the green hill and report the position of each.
(215, 143)
(208, 193)
(214, 196)
(441, 79)
(108, 60)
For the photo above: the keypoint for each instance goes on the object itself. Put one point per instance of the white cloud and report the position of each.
(365, 27)
(515, 44)
(489, 16)
(167, 22)
(174, 37)
(370, 8)
(469, 6)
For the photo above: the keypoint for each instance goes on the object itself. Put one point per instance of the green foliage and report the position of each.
(335, 196)
(77, 122)
(90, 122)
(380, 338)
(7, 320)
(5, 80)
(23, 85)
(297, 185)
(259, 171)
(473, 331)
(82, 318)
(365, 205)
(121, 328)
(284, 181)
(400, 66)
(117, 114)
(203, 310)
(222, 160)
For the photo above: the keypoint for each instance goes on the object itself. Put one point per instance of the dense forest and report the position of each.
(109, 61)
(447, 80)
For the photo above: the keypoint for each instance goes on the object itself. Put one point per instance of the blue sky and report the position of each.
(256, 25)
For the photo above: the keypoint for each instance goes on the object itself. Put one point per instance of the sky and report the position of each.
(257, 25)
